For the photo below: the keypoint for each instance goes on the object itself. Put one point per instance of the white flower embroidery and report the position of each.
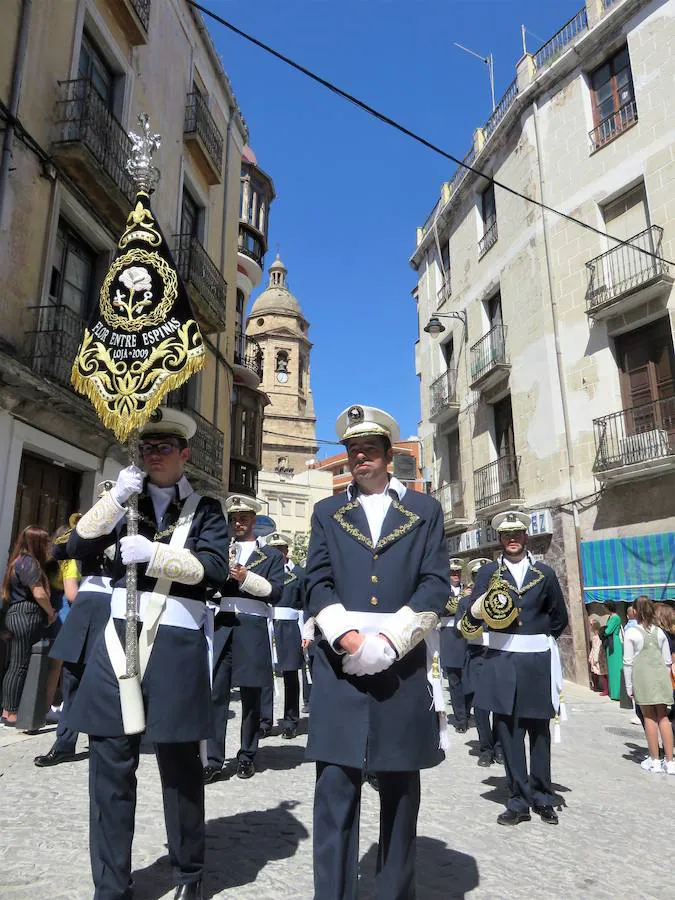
(136, 278)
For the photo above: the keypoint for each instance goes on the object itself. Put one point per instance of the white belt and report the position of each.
(246, 605)
(285, 614)
(535, 643)
(181, 612)
(447, 621)
(96, 584)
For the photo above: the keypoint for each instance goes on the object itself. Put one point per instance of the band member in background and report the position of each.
(175, 684)
(377, 583)
(453, 651)
(520, 677)
(243, 635)
(489, 748)
(288, 641)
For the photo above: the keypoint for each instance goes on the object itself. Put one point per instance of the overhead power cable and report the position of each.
(387, 120)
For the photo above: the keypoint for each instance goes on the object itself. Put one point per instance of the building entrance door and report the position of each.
(46, 494)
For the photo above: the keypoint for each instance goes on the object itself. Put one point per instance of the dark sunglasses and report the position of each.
(164, 449)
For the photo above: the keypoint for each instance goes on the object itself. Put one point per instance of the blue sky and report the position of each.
(351, 191)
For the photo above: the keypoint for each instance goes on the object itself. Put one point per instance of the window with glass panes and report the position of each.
(94, 68)
(72, 274)
(613, 93)
(489, 210)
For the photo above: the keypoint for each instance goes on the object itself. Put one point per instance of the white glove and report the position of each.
(136, 549)
(477, 607)
(374, 655)
(129, 481)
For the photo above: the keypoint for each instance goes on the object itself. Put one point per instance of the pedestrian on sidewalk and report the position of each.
(27, 611)
(453, 651)
(613, 642)
(647, 668)
(377, 584)
(597, 660)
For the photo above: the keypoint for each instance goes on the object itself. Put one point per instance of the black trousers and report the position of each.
(461, 702)
(526, 790)
(66, 738)
(291, 715)
(26, 620)
(337, 806)
(250, 713)
(487, 738)
(112, 806)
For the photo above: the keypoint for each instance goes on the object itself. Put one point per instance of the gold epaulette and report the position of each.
(63, 539)
(469, 631)
(499, 610)
(452, 604)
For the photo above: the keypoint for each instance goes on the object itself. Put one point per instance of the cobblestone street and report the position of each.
(614, 837)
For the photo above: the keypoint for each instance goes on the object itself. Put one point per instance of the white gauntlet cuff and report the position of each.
(333, 621)
(101, 518)
(174, 563)
(308, 629)
(406, 628)
(256, 585)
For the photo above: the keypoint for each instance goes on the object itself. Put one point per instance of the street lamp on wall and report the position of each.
(434, 326)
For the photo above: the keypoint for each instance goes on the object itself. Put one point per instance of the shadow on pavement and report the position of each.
(237, 848)
(441, 871)
(289, 756)
(636, 752)
(500, 791)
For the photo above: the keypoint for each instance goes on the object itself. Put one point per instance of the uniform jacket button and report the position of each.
(376, 555)
(373, 601)
(374, 579)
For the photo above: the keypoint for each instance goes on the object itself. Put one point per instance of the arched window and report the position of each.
(282, 361)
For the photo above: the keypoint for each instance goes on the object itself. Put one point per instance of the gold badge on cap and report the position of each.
(355, 415)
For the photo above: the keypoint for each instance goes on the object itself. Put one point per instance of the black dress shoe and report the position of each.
(498, 756)
(547, 814)
(289, 733)
(53, 758)
(245, 768)
(211, 773)
(511, 817)
(264, 731)
(192, 891)
(461, 729)
(485, 759)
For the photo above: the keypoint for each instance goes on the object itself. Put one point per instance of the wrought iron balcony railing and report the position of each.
(142, 10)
(501, 109)
(445, 290)
(57, 335)
(553, 48)
(638, 435)
(251, 244)
(489, 352)
(624, 269)
(451, 498)
(443, 392)
(488, 240)
(199, 121)
(82, 116)
(243, 477)
(613, 125)
(497, 482)
(248, 353)
(198, 271)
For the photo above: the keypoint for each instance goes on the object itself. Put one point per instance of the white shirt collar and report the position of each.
(182, 486)
(394, 485)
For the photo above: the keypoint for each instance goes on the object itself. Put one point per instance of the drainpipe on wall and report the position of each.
(558, 355)
(20, 55)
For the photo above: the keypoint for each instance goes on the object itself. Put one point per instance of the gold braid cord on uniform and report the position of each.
(498, 608)
(406, 628)
(452, 604)
(469, 631)
(256, 585)
(174, 563)
(101, 518)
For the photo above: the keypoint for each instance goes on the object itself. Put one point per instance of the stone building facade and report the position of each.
(545, 349)
(74, 76)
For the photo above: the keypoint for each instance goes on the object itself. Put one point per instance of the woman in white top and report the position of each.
(646, 666)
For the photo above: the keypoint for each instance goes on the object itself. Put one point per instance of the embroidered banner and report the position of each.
(142, 340)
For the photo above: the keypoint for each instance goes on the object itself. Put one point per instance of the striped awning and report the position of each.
(620, 569)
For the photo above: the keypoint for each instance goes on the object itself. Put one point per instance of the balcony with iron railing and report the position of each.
(248, 359)
(547, 54)
(445, 290)
(613, 125)
(444, 404)
(489, 359)
(243, 477)
(451, 498)
(488, 240)
(496, 486)
(54, 343)
(92, 148)
(133, 17)
(635, 443)
(205, 284)
(203, 136)
(626, 275)
(251, 243)
(207, 446)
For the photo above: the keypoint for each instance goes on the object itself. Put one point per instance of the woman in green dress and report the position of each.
(613, 651)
